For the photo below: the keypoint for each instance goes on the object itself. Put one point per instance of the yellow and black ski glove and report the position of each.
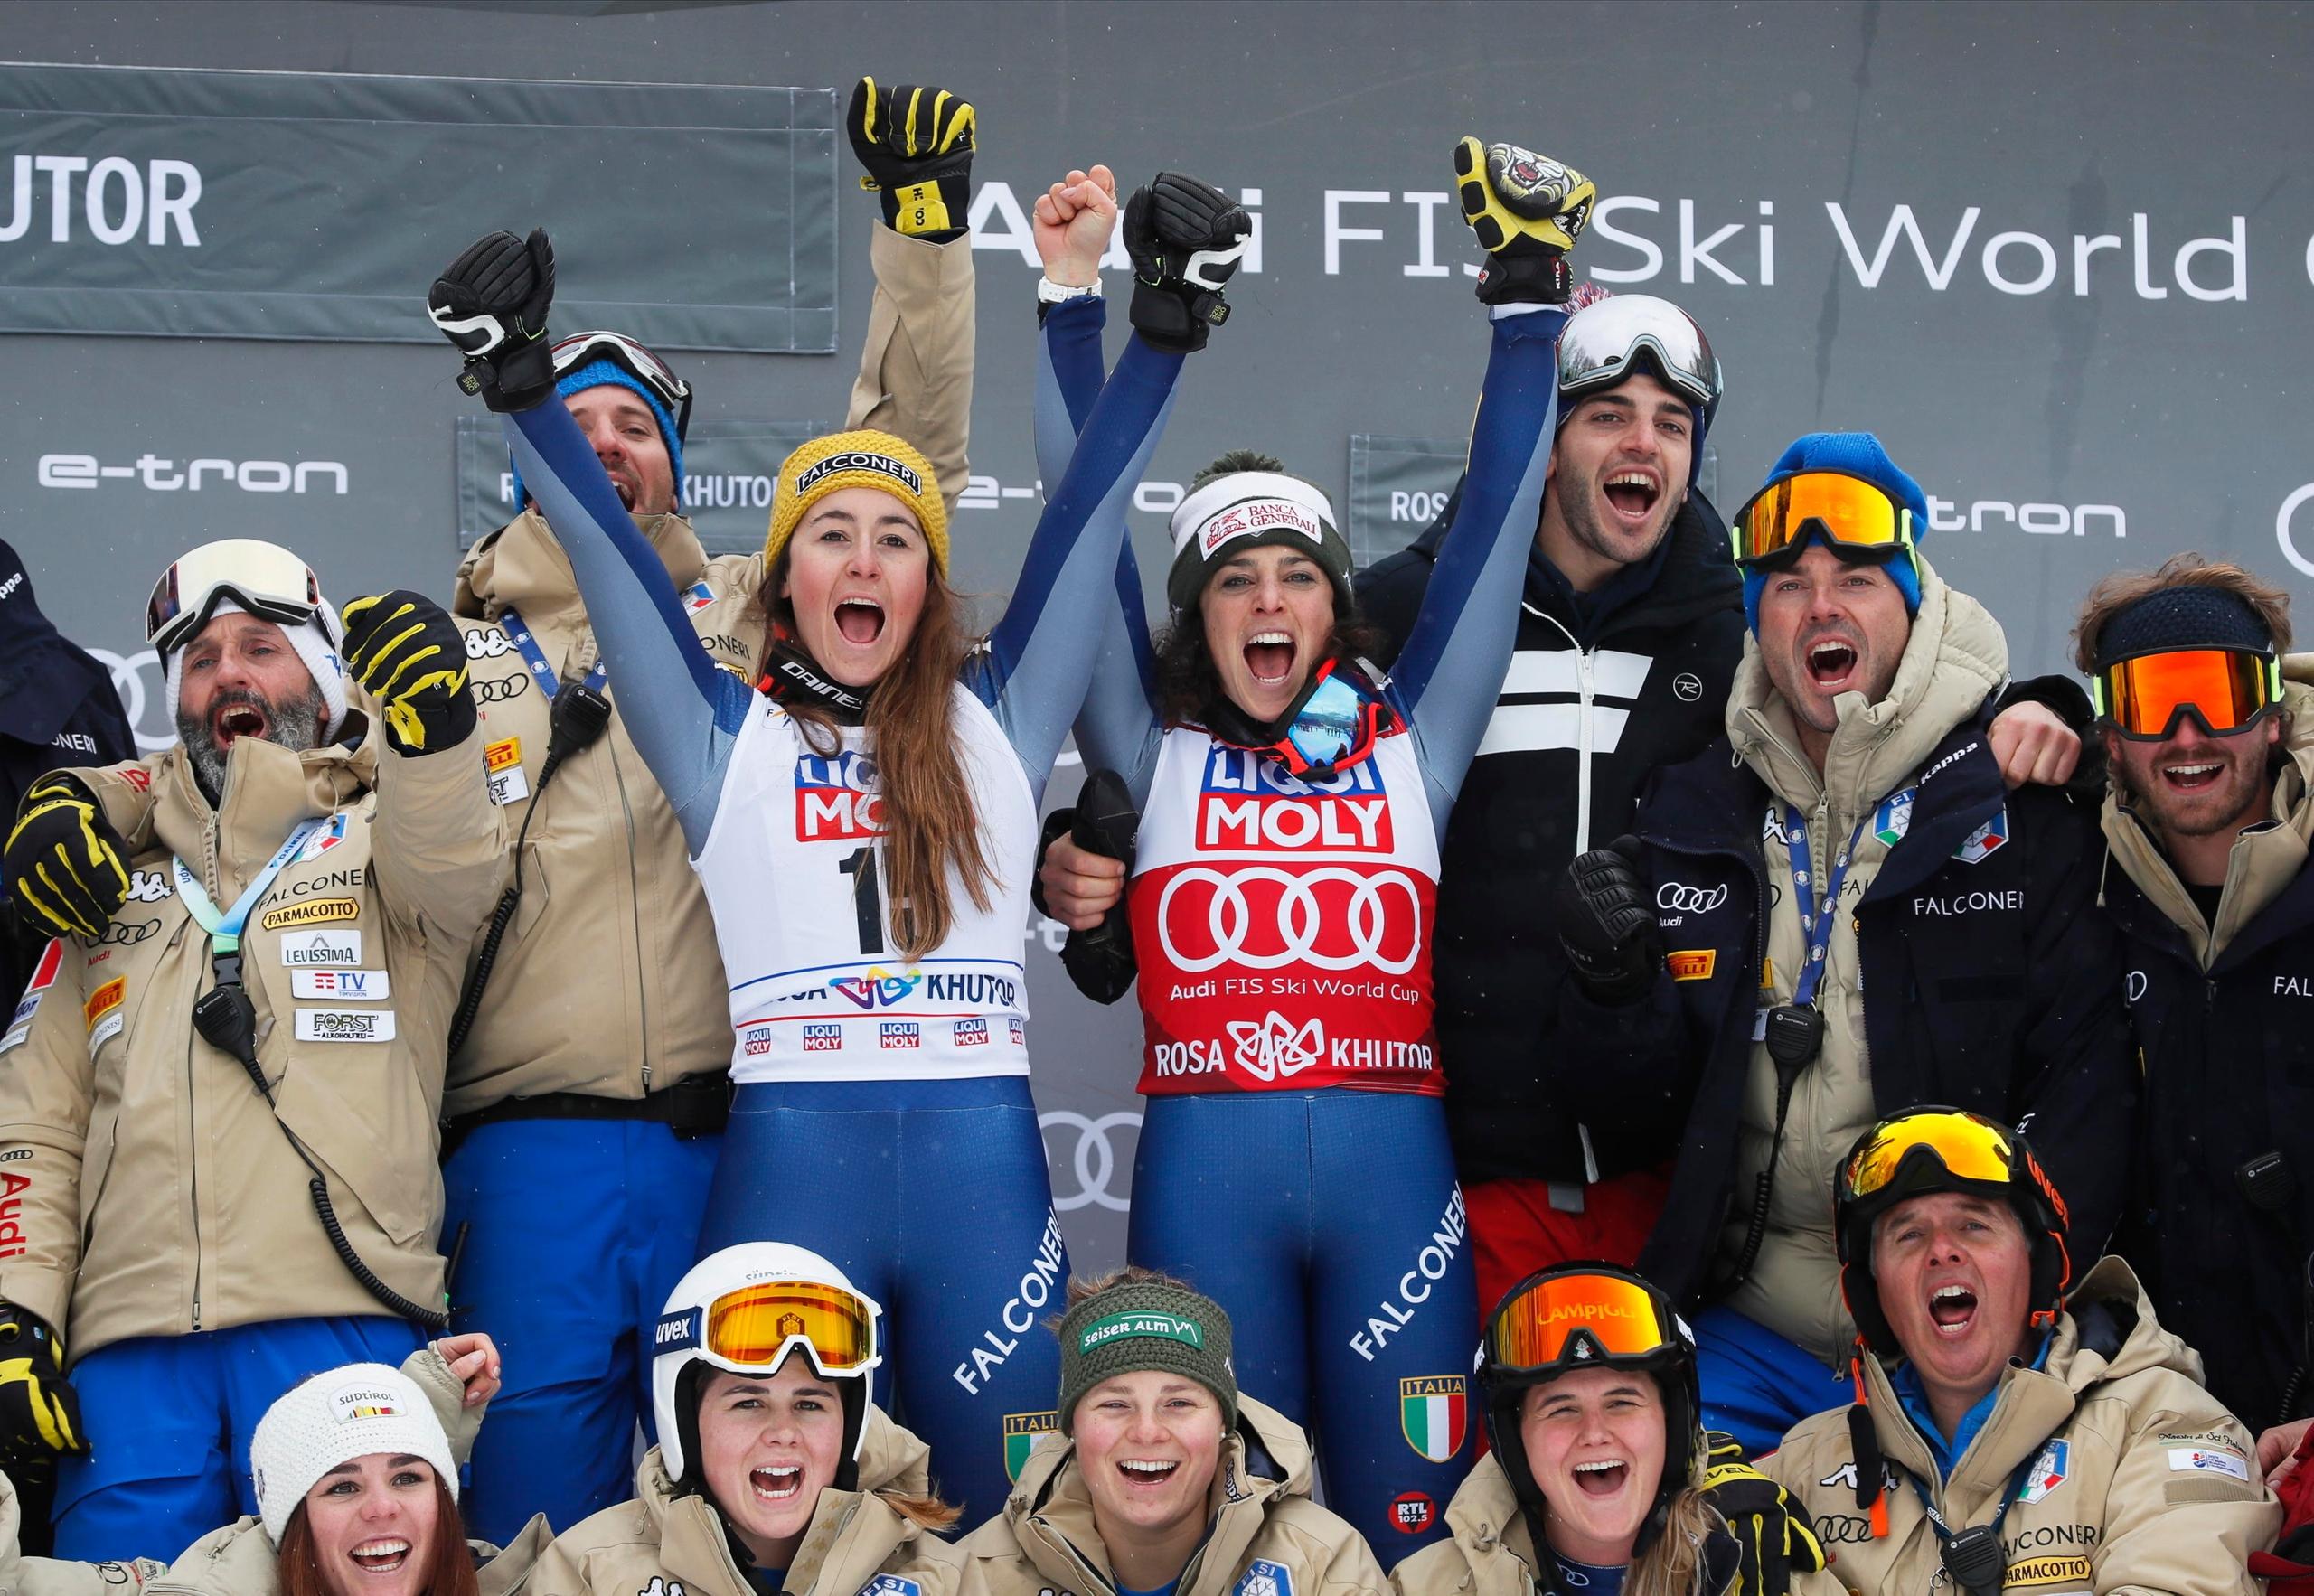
(1773, 1531)
(64, 861)
(1528, 210)
(916, 143)
(404, 649)
(40, 1416)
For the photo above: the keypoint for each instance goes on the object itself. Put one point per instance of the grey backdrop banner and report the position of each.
(315, 205)
(729, 469)
(2002, 236)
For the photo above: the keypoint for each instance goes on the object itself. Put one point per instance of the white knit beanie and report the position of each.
(311, 639)
(336, 1417)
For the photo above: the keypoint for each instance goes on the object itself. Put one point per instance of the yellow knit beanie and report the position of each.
(862, 459)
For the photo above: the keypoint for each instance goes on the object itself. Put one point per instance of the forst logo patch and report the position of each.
(1246, 802)
(837, 798)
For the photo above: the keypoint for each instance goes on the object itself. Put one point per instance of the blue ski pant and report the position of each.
(1756, 1384)
(934, 1198)
(169, 1418)
(1330, 1227)
(574, 1233)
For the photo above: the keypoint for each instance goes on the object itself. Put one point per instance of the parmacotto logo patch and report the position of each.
(2048, 1571)
(313, 911)
(1691, 963)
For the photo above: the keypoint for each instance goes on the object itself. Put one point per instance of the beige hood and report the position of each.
(521, 564)
(1955, 656)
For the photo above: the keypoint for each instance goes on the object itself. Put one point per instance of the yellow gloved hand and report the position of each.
(1527, 210)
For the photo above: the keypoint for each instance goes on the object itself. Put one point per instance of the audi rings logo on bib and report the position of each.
(1248, 804)
(1263, 917)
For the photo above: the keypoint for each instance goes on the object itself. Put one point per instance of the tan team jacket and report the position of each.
(1268, 1538)
(239, 1560)
(1492, 1552)
(2140, 1480)
(857, 1545)
(609, 982)
(1955, 659)
(149, 1190)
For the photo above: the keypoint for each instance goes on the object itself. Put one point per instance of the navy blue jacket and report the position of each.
(1993, 986)
(2229, 1076)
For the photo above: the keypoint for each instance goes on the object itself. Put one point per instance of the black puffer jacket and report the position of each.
(1604, 690)
(1994, 986)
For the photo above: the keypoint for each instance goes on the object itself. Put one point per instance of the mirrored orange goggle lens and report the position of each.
(1856, 512)
(1534, 1326)
(750, 1326)
(2228, 686)
(1969, 1150)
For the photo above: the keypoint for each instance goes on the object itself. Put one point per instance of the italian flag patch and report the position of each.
(1433, 1411)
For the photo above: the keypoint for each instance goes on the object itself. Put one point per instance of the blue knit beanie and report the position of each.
(1857, 454)
(595, 374)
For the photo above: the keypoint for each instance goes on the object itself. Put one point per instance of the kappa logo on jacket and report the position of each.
(660, 1585)
(148, 887)
(488, 643)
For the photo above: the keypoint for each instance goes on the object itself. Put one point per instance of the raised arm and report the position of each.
(682, 713)
(1186, 239)
(1117, 727)
(1528, 210)
(916, 368)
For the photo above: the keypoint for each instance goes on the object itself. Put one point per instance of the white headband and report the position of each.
(1244, 503)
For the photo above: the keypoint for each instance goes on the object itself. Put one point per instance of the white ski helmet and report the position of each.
(745, 1309)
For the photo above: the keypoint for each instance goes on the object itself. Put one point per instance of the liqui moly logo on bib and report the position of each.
(1248, 802)
(837, 798)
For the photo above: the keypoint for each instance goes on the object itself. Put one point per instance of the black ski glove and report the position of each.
(406, 651)
(1527, 210)
(492, 303)
(40, 1416)
(63, 863)
(1606, 923)
(1774, 1537)
(916, 143)
(1186, 239)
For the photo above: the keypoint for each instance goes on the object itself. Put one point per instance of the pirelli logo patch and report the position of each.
(496, 757)
(1692, 963)
(313, 911)
(104, 1000)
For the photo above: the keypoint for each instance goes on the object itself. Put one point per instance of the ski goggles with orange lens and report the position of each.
(2224, 689)
(1857, 519)
(263, 578)
(758, 1325)
(1579, 1315)
(1968, 1148)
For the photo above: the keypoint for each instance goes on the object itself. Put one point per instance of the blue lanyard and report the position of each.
(225, 930)
(519, 630)
(1817, 917)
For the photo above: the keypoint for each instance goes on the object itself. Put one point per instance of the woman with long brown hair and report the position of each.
(863, 820)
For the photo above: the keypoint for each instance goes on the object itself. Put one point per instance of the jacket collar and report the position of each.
(521, 564)
(1955, 659)
(2107, 1332)
(2268, 891)
(1050, 1513)
(268, 790)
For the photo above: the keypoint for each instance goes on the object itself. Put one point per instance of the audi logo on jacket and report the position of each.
(1990, 981)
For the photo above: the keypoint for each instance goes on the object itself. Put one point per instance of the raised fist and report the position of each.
(491, 302)
(1528, 210)
(1186, 239)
